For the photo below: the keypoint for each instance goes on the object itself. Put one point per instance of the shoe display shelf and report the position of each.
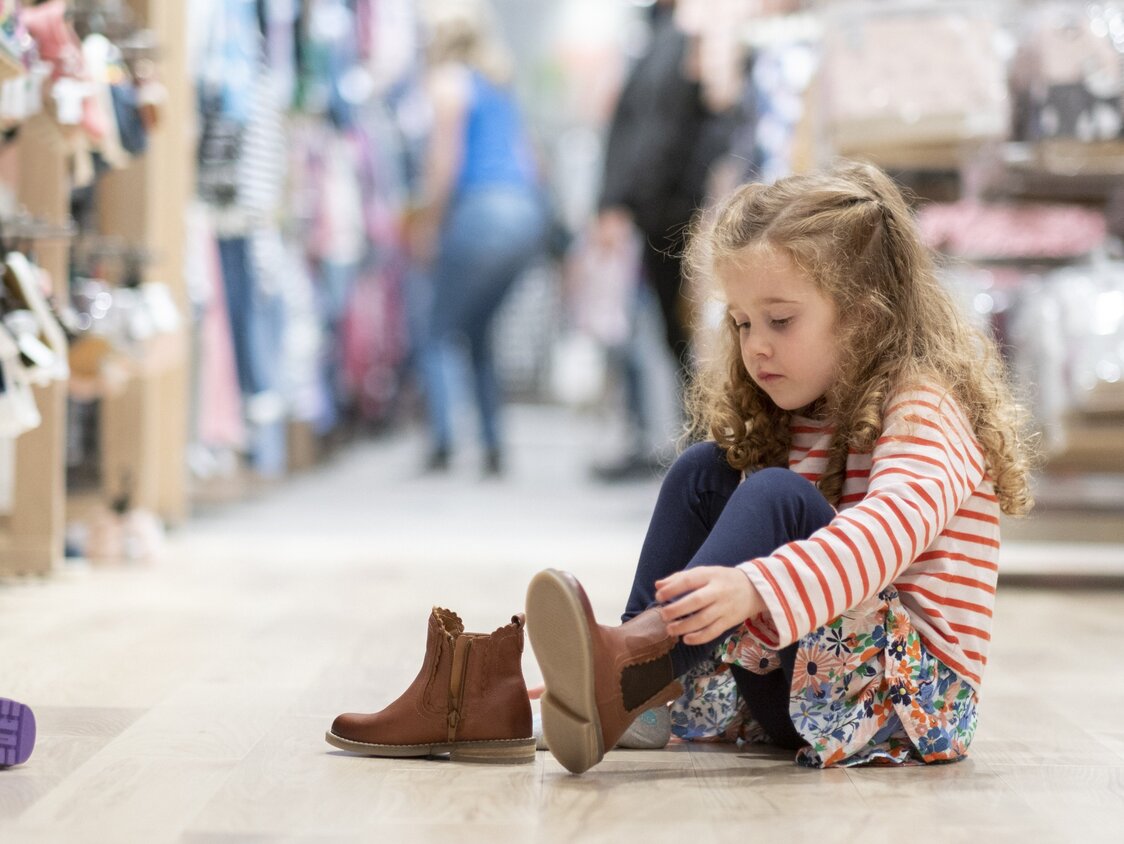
(144, 423)
(144, 414)
(31, 534)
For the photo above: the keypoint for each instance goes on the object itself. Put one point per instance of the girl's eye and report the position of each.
(741, 326)
(780, 323)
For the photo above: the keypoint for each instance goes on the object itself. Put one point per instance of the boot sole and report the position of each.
(17, 733)
(496, 752)
(561, 639)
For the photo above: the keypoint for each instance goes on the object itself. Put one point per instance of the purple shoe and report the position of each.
(17, 733)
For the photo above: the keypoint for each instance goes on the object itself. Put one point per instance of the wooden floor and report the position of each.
(187, 700)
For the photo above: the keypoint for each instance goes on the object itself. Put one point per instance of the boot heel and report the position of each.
(515, 752)
(574, 741)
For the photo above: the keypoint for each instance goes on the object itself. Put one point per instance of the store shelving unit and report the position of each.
(31, 540)
(144, 423)
(144, 426)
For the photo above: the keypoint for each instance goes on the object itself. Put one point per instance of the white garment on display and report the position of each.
(394, 42)
(346, 241)
(18, 411)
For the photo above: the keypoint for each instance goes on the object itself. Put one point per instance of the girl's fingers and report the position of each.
(676, 609)
(683, 628)
(707, 634)
(672, 587)
(693, 623)
(687, 605)
(704, 625)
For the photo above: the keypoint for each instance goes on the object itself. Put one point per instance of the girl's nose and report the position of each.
(755, 346)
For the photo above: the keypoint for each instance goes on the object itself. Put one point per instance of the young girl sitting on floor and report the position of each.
(835, 539)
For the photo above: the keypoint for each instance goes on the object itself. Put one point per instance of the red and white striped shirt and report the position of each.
(918, 512)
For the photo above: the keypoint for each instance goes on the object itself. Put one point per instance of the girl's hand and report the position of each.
(706, 602)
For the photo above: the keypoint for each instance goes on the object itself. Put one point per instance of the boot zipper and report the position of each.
(457, 683)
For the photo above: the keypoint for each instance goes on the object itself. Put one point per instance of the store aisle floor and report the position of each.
(187, 700)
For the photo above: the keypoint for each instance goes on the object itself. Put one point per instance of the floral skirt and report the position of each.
(864, 691)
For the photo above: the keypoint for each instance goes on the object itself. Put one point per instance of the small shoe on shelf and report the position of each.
(23, 285)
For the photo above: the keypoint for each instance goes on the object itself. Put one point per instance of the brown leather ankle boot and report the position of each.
(598, 678)
(469, 700)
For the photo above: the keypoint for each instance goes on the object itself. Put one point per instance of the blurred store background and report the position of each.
(206, 210)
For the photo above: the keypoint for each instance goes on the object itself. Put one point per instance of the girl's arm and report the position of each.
(925, 466)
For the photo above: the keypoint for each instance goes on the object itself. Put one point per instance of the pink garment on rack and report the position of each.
(1038, 230)
(61, 48)
(220, 420)
(373, 339)
(382, 221)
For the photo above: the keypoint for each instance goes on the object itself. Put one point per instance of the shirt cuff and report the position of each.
(764, 627)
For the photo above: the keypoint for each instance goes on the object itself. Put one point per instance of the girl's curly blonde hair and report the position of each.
(851, 231)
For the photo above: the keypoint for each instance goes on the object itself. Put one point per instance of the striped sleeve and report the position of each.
(924, 466)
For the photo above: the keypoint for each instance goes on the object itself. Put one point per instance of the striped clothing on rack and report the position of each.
(918, 512)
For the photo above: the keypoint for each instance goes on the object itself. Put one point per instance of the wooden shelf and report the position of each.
(144, 428)
(32, 539)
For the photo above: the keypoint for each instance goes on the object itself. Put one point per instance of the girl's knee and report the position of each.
(700, 460)
(781, 481)
(788, 493)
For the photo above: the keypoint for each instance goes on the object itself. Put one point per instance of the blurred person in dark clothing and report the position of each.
(663, 139)
(481, 221)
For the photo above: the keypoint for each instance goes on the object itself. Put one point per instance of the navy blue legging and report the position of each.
(707, 516)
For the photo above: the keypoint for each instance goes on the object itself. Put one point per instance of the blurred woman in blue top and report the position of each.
(481, 221)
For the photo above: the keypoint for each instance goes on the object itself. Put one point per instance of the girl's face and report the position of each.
(786, 326)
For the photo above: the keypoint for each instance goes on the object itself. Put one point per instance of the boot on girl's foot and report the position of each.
(598, 679)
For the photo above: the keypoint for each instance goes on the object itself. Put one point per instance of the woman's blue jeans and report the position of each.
(490, 237)
(706, 515)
